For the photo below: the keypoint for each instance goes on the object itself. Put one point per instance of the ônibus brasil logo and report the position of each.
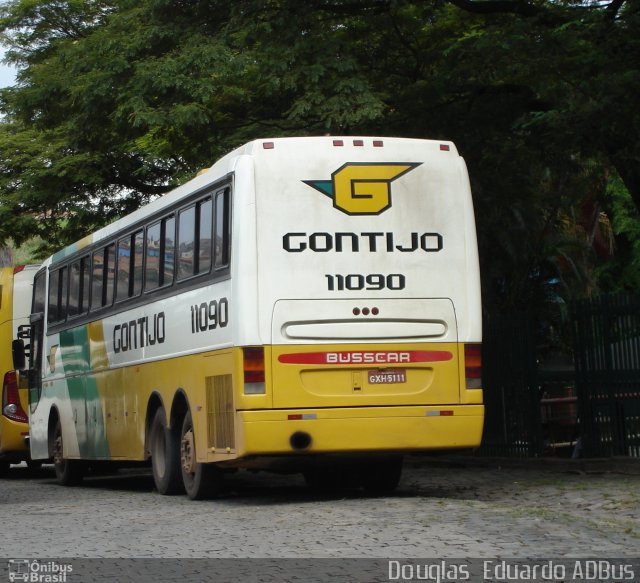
(38, 571)
(362, 188)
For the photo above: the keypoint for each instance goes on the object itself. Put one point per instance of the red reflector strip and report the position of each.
(268, 145)
(445, 147)
(372, 357)
(378, 143)
(338, 143)
(358, 142)
(446, 413)
(299, 417)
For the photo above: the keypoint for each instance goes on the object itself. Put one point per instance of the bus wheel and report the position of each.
(68, 472)
(165, 455)
(201, 481)
(382, 476)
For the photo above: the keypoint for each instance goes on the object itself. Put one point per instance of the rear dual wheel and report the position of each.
(165, 455)
(201, 481)
(173, 461)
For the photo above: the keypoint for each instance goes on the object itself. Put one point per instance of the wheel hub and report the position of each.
(187, 457)
(57, 450)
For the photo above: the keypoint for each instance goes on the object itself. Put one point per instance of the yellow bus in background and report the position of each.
(16, 291)
(306, 304)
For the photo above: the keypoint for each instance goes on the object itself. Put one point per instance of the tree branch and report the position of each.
(520, 7)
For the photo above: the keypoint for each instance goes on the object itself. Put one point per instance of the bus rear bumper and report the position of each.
(366, 429)
(12, 438)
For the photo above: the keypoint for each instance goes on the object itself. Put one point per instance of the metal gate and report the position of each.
(511, 394)
(607, 358)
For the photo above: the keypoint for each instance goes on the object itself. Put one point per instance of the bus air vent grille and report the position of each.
(221, 434)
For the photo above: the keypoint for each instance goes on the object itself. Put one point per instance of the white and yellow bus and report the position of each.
(15, 306)
(304, 304)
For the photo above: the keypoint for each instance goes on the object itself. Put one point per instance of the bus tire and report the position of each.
(165, 455)
(382, 476)
(201, 481)
(68, 472)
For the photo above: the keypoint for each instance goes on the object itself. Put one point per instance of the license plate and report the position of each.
(387, 377)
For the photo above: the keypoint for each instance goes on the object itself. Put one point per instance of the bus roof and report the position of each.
(226, 165)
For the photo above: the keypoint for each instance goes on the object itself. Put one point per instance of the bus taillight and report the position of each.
(473, 365)
(253, 371)
(11, 406)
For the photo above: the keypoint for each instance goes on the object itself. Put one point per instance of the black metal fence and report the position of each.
(607, 358)
(511, 394)
(588, 407)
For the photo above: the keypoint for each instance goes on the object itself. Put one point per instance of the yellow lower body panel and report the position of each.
(362, 429)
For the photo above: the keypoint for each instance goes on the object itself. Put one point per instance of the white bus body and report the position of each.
(337, 312)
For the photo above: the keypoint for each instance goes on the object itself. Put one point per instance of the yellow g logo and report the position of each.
(362, 188)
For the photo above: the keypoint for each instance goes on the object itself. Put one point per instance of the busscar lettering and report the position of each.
(139, 333)
(372, 242)
(367, 357)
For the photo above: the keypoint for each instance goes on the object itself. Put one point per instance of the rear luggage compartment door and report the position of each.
(364, 352)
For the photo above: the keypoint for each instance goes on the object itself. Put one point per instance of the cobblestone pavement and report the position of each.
(440, 510)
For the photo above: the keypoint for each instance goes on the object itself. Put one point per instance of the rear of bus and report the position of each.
(368, 300)
(15, 306)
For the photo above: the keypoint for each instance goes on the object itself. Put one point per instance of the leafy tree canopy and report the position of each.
(118, 100)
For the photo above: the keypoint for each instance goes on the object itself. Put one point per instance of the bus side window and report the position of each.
(160, 254)
(168, 250)
(123, 268)
(194, 239)
(205, 227)
(74, 288)
(103, 277)
(58, 295)
(110, 276)
(79, 287)
(186, 243)
(97, 276)
(54, 286)
(152, 269)
(84, 286)
(39, 293)
(129, 266)
(136, 263)
(222, 234)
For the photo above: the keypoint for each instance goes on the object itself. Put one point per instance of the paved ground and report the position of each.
(441, 510)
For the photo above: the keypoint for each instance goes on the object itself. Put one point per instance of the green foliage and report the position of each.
(623, 271)
(118, 100)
